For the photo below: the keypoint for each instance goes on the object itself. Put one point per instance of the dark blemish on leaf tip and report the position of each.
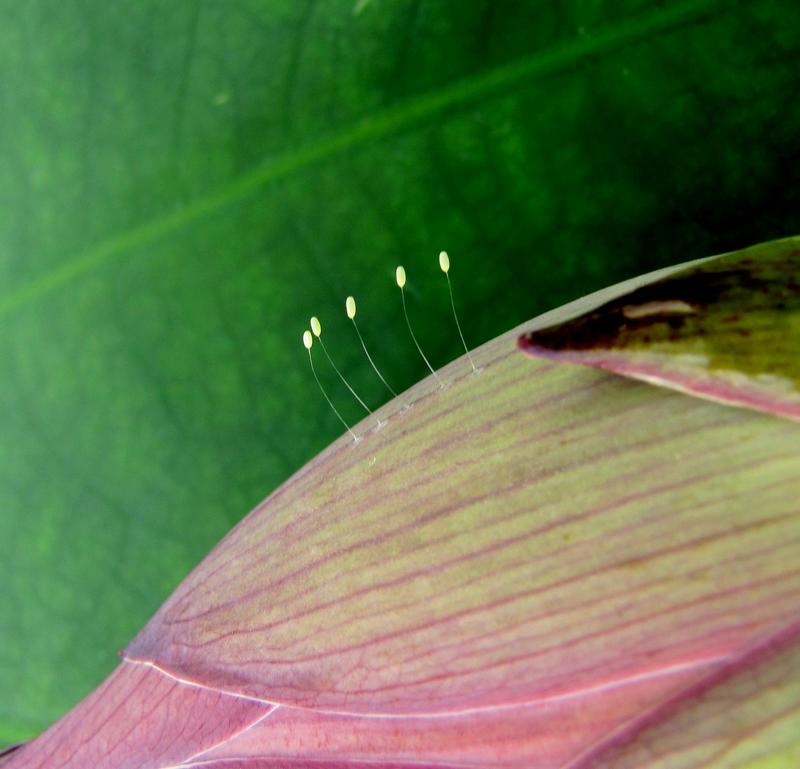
(526, 344)
(733, 309)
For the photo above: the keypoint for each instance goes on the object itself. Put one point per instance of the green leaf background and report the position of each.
(183, 183)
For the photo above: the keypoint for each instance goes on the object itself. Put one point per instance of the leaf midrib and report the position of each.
(372, 127)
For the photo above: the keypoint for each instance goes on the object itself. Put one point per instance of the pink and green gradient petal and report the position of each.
(540, 566)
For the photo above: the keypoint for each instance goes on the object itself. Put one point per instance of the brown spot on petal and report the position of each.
(726, 329)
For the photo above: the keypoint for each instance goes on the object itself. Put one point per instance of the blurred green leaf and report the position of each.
(183, 184)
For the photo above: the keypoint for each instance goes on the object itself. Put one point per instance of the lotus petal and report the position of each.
(540, 565)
